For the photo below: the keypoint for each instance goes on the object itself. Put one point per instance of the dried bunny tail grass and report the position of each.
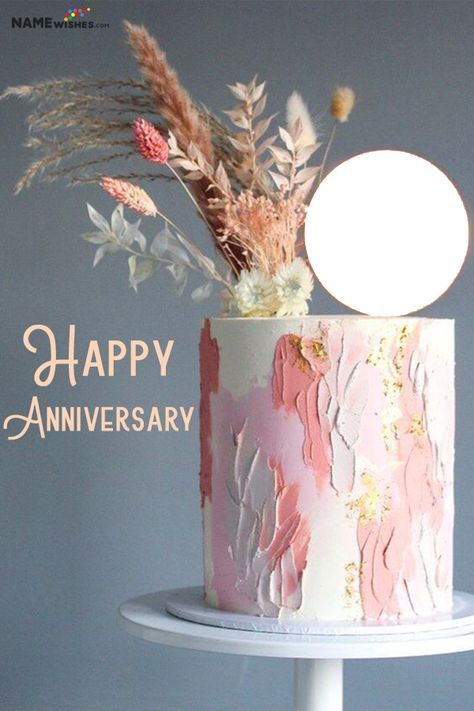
(296, 110)
(132, 196)
(171, 100)
(342, 103)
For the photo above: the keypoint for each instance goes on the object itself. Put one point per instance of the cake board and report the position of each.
(189, 604)
(318, 658)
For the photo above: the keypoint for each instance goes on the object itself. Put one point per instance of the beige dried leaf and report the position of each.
(260, 106)
(265, 145)
(286, 138)
(257, 91)
(238, 90)
(280, 181)
(183, 163)
(285, 169)
(305, 174)
(302, 191)
(267, 163)
(262, 126)
(238, 118)
(222, 179)
(239, 145)
(304, 154)
(280, 154)
(195, 175)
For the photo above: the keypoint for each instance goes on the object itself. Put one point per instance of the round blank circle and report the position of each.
(386, 233)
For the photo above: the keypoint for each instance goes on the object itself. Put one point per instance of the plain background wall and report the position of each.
(89, 520)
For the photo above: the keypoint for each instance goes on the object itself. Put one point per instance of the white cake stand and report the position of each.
(318, 657)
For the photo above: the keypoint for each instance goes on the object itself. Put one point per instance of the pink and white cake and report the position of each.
(327, 448)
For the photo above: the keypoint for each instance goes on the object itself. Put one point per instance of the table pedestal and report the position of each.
(318, 684)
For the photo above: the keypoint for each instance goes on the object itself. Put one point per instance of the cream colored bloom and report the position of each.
(255, 294)
(293, 287)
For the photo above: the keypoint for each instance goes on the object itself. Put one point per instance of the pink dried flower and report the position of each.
(130, 195)
(149, 142)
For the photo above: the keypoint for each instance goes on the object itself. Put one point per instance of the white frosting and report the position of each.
(331, 550)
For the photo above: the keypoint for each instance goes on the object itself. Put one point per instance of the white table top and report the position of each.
(146, 617)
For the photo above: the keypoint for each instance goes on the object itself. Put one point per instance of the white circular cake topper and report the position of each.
(386, 233)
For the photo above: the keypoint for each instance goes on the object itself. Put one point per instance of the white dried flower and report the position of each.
(293, 286)
(255, 294)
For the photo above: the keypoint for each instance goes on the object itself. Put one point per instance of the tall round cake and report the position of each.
(327, 448)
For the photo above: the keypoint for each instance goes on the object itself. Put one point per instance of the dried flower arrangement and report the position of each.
(250, 188)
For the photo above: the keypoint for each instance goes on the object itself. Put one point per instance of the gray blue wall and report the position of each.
(90, 520)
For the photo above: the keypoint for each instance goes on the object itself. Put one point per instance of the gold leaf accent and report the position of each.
(301, 363)
(376, 357)
(366, 505)
(417, 427)
(352, 578)
(391, 370)
(295, 341)
(319, 349)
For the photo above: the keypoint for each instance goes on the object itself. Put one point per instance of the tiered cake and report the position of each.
(327, 466)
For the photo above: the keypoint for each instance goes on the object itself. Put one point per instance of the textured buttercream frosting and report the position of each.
(327, 447)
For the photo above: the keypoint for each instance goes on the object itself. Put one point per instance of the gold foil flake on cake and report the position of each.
(372, 505)
(300, 361)
(387, 505)
(352, 578)
(391, 414)
(417, 427)
(371, 359)
(391, 388)
(295, 341)
(319, 350)
(378, 356)
(309, 350)
(386, 509)
(403, 334)
(315, 346)
(391, 369)
(390, 433)
(366, 505)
